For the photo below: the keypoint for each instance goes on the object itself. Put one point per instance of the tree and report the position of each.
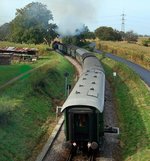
(51, 33)
(130, 36)
(84, 33)
(90, 35)
(5, 31)
(146, 42)
(75, 40)
(31, 24)
(79, 39)
(107, 33)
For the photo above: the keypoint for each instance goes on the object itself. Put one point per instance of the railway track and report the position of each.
(70, 156)
(53, 149)
(80, 157)
(58, 152)
(92, 157)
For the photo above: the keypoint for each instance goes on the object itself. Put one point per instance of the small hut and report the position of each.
(5, 58)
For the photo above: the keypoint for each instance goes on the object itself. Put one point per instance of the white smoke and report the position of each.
(70, 15)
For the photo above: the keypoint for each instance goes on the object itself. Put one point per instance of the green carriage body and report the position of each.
(83, 124)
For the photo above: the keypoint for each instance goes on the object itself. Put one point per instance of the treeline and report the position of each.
(32, 25)
(110, 34)
(103, 33)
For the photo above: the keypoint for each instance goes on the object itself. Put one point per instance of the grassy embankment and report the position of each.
(27, 108)
(8, 72)
(133, 106)
(134, 52)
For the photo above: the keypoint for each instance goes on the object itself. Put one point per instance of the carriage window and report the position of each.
(81, 120)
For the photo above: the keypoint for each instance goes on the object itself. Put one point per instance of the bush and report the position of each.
(131, 37)
(5, 112)
(146, 42)
(108, 33)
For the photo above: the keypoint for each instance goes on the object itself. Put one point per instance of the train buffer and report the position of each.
(109, 129)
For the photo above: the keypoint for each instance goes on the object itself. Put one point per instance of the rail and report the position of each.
(70, 156)
(92, 157)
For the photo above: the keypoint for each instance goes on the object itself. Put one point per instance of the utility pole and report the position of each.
(123, 22)
(66, 74)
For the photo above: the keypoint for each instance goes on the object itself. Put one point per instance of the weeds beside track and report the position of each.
(133, 105)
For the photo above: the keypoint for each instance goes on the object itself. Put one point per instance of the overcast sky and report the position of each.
(93, 13)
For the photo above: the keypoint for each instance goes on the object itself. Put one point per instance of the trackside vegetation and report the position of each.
(27, 108)
(8, 72)
(132, 99)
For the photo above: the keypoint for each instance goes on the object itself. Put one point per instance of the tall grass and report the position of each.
(133, 107)
(133, 52)
(31, 109)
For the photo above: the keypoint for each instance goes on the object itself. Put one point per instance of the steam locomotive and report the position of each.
(83, 109)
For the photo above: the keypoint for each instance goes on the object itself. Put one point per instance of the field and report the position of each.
(132, 99)
(134, 52)
(8, 72)
(27, 108)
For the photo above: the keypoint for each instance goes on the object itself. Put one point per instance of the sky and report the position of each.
(70, 14)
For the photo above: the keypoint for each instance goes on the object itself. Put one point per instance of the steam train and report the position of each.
(83, 109)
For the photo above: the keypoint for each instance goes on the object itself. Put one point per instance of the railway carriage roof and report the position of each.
(73, 47)
(89, 91)
(81, 51)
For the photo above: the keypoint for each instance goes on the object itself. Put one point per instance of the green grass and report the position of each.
(30, 108)
(8, 72)
(133, 106)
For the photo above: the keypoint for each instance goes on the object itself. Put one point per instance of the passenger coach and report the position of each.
(83, 108)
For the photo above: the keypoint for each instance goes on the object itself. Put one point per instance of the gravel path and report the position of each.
(111, 151)
(57, 152)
